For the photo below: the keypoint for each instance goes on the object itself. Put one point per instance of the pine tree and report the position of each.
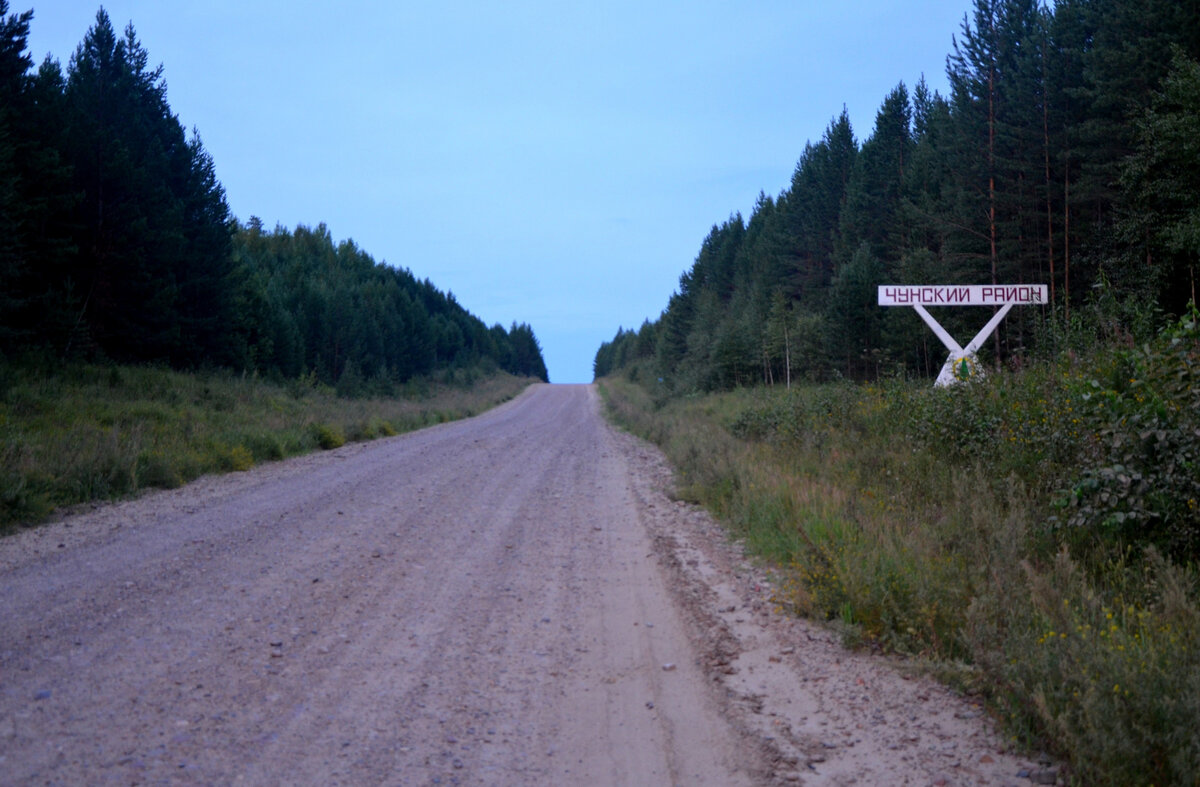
(810, 215)
(854, 320)
(527, 353)
(974, 72)
(36, 195)
(1126, 56)
(14, 264)
(154, 266)
(1162, 181)
(875, 194)
(929, 184)
(205, 268)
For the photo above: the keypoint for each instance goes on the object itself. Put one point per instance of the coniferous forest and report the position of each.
(1067, 153)
(117, 244)
(1036, 535)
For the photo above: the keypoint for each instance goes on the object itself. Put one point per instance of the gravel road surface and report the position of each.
(509, 600)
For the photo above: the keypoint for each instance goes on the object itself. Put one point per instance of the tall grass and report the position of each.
(83, 432)
(1033, 537)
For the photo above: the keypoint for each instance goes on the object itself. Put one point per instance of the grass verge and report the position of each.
(83, 432)
(1033, 538)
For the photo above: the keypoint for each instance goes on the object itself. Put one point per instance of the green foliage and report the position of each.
(328, 437)
(233, 458)
(924, 520)
(116, 243)
(76, 432)
(1143, 486)
(355, 324)
(1104, 668)
(1066, 153)
(1163, 178)
(626, 348)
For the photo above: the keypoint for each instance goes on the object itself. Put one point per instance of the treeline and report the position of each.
(310, 306)
(1067, 153)
(117, 243)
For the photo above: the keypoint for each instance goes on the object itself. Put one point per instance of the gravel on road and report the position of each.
(509, 600)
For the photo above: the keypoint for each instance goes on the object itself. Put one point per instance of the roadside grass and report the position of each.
(84, 432)
(1032, 538)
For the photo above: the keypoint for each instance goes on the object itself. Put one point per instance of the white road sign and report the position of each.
(962, 363)
(961, 295)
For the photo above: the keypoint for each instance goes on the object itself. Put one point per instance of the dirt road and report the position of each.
(507, 600)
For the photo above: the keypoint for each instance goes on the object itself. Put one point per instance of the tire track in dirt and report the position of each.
(471, 604)
(508, 600)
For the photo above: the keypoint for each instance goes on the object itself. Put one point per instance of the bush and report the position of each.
(328, 437)
(1110, 679)
(925, 521)
(157, 470)
(235, 458)
(264, 446)
(76, 432)
(1144, 488)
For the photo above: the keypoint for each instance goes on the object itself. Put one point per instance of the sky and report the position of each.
(549, 162)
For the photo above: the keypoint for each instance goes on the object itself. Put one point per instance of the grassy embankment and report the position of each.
(82, 432)
(1033, 538)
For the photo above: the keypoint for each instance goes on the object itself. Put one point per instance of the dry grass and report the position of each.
(83, 433)
(911, 517)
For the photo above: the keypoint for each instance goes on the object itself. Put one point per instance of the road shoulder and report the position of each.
(820, 713)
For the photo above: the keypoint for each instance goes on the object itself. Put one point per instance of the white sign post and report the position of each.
(962, 364)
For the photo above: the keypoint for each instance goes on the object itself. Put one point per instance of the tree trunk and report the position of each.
(787, 356)
(1067, 238)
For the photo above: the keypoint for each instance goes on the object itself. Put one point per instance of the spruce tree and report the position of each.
(36, 195)
(1161, 224)
(14, 263)
(875, 194)
(154, 267)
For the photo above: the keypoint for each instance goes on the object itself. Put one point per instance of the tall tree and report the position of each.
(855, 321)
(929, 183)
(36, 194)
(995, 73)
(810, 215)
(875, 194)
(1125, 59)
(1162, 181)
(14, 265)
(154, 255)
(974, 72)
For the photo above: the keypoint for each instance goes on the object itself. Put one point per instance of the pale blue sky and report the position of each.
(548, 162)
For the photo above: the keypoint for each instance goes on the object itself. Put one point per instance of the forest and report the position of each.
(117, 245)
(1035, 537)
(1067, 153)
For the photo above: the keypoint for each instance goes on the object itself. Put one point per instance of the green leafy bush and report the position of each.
(935, 522)
(1144, 487)
(328, 437)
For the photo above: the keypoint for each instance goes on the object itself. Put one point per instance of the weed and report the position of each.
(233, 458)
(1034, 537)
(80, 432)
(155, 469)
(264, 446)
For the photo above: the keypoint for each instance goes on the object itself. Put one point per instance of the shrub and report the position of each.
(921, 520)
(328, 437)
(154, 469)
(1144, 489)
(76, 432)
(264, 446)
(240, 458)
